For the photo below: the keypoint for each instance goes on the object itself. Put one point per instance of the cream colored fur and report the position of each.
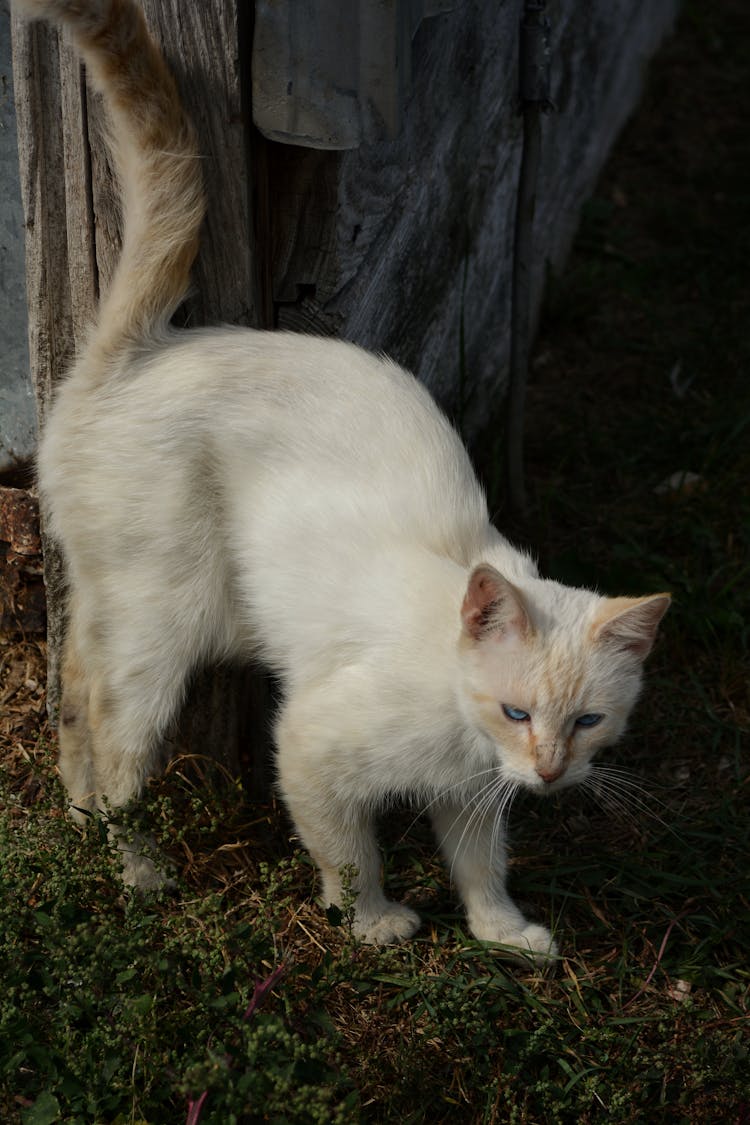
(225, 492)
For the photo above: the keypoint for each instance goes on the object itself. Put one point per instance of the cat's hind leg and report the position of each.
(75, 760)
(128, 714)
(132, 678)
(338, 833)
(105, 747)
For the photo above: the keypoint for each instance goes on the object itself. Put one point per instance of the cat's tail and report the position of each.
(158, 168)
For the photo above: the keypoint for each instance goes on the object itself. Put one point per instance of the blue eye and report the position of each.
(516, 714)
(588, 720)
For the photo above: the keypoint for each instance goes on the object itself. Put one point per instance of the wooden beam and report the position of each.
(72, 218)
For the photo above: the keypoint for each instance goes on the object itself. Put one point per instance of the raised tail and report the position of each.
(158, 167)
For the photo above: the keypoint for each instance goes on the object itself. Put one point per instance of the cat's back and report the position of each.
(342, 435)
(315, 428)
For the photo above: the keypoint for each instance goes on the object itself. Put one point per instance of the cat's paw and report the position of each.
(395, 924)
(534, 943)
(142, 872)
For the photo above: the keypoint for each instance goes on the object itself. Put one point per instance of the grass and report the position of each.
(119, 1009)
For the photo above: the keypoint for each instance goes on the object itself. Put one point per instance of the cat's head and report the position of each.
(550, 674)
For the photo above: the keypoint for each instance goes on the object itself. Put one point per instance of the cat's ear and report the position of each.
(630, 624)
(492, 604)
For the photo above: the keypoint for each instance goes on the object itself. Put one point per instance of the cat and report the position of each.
(225, 492)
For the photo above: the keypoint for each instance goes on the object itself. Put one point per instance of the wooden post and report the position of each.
(73, 238)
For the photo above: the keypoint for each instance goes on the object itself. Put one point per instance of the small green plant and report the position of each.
(123, 1004)
(343, 914)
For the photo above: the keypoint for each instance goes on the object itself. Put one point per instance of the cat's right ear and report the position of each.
(630, 624)
(493, 606)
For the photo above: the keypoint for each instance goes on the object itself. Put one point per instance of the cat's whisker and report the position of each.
(464, 783)
(629, 795)
(619, 774)
(496, 803)
(627, 779)
(611, 795)
(619, 792)
(484, 800)
(609, 801)
(501, 814)
(620, 771)
(497, 797)
(443, 793)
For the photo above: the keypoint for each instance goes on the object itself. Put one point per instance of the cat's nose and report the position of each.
(550, 773)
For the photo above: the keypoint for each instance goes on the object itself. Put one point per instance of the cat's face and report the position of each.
(551, 684)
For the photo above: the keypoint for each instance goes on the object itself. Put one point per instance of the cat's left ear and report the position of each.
(493, 605)
(630, 623)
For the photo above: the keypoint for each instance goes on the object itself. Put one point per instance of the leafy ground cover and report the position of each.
(235, 999)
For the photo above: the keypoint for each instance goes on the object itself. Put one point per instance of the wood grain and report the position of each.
(72, 241)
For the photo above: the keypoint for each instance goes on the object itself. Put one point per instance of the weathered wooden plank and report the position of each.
(200, 42)
(421, 230)
(408, 248)
(38, 79)
(45, 79)
(73, 239)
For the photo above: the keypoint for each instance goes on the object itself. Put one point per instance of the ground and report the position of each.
(118, 1009)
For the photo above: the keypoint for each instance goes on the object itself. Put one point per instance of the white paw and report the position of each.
(141, 872)
(395, 924)
(534, 943)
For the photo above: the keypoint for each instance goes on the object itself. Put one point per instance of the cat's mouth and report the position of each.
(550, 774)
(546, 783)
(572, 774)
(546, 786)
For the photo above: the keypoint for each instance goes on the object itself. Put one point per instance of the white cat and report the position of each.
(229, 492)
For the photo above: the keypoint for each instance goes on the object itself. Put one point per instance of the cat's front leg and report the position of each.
(339, 835)
(474, 848)
(342, 843)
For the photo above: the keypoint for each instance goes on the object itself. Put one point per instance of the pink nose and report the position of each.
(549, 775)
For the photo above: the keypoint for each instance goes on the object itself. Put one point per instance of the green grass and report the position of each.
(121, 1009)
(118, 1008)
